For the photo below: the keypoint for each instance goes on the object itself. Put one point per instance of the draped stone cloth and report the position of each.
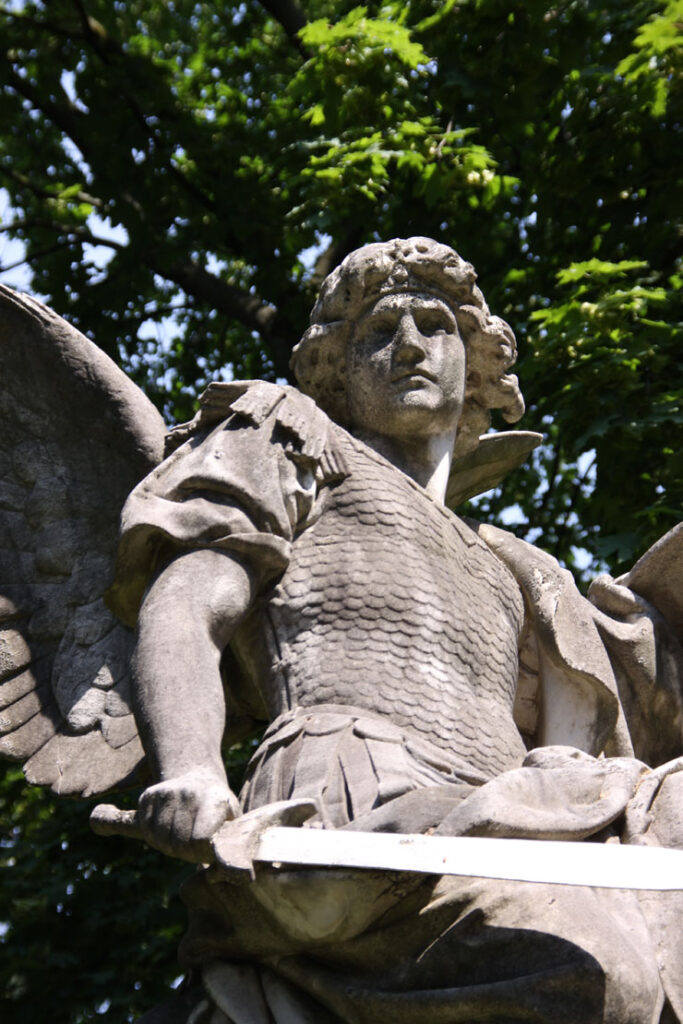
(399, 658)
(366, 946)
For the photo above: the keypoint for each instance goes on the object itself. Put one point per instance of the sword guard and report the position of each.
(236, 843)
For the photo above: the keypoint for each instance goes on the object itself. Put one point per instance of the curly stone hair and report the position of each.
(425, 267)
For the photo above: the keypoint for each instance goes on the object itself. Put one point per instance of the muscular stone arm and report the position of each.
(187, 618)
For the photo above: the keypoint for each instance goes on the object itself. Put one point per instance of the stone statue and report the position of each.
(291, 561)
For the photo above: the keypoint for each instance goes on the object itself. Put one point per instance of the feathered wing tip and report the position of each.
(486, 465)
(75, 436)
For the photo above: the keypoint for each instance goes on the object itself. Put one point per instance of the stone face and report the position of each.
(292, 562)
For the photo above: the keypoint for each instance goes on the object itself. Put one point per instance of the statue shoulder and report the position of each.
(256, 402)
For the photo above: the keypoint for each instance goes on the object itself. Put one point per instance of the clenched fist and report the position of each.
(179, 816)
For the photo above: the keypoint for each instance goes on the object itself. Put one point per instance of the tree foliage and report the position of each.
(209, 163)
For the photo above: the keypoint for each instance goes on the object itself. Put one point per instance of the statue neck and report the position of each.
(426, 459)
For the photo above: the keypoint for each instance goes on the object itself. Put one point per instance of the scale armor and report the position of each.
(392, 605)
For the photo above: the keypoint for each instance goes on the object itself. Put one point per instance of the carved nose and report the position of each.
(409, 342)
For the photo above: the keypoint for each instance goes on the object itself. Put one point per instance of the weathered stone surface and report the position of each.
(293, 563)
(386, 647)
(76, 436)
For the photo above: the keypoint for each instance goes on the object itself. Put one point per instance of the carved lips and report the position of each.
(416, 378)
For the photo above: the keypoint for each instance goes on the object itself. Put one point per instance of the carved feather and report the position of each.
(76, 435)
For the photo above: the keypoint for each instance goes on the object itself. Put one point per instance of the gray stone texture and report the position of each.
(292, 562)
(76, 436)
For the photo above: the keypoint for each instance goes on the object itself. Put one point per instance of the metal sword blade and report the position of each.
(523, 860)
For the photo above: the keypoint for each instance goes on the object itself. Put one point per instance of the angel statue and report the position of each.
(290, 558)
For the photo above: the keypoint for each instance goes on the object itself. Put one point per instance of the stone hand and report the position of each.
(178, 816)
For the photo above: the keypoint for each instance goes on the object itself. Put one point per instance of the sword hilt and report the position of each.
(108, 820)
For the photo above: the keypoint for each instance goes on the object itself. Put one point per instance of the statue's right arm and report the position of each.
(187, 618)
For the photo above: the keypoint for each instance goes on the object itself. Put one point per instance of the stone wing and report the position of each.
(488, 464)
(75, 436)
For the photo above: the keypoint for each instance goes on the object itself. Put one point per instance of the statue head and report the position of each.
(426, 269)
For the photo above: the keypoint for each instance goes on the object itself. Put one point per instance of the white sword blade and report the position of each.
(523, 860)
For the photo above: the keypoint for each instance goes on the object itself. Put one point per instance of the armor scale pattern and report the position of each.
(391, 604)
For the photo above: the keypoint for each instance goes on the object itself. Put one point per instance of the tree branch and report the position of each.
(103, 45)
(96, 34)
(67, 117)
(563, 527)
(44, 193)
(47, 26)
(249, 309)
(153, 314)
(47, 251)
(291, 17)
(541, 509)
(64, 118)
(334, 254)
(77, 231)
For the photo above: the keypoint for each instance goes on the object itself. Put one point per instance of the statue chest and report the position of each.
(391, 604)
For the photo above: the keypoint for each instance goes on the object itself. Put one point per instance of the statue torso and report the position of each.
(392, 605)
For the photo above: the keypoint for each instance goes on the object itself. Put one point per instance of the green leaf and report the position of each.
(597, 268)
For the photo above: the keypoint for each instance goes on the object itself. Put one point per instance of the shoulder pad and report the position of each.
(258, 400)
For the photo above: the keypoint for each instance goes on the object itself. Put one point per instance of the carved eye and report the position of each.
(432, 322)
(381, 331)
